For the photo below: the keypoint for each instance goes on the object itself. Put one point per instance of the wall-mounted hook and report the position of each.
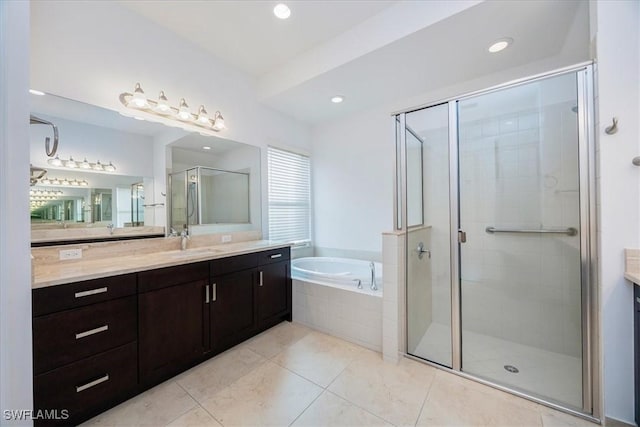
(610, 130)
(636, 161)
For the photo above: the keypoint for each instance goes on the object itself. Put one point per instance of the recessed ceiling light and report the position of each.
(337, 99)
(500, 44)
(36, 92)
(206, 147)
(282, 11)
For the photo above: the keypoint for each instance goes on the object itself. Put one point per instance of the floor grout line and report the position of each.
(426, 397)
(188, 394)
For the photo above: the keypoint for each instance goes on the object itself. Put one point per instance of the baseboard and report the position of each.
(612, 422)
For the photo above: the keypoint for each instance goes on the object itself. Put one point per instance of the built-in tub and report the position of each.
(326, 298)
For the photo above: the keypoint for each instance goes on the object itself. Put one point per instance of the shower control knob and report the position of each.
(421, 251)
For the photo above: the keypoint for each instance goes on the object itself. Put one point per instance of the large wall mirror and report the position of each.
(130, 197)
(214, 185)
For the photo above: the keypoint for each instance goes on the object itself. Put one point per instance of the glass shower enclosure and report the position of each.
(496, 205)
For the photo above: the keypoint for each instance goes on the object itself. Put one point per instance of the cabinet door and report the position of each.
(274, 292)
(232, 308)
(636, 306)
(171, 329)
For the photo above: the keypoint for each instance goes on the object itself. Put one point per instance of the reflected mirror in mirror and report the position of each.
(72, 195)
(214, 185)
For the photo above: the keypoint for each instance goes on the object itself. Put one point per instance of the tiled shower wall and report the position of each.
(521, 171)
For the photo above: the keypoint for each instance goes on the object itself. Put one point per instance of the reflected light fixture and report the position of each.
(500, 44)
(72, 164)
(56, 181)
(282, 11)
(36, 92)
(174, 116)
(337, 99)
(206, 147)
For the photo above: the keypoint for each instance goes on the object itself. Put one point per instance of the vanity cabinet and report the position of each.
(233, 300)
(99, 342)
(84, 347)
(636, 343)
(274, 287)
(171, 319)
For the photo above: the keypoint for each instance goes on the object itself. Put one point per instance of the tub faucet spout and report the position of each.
(372, 265)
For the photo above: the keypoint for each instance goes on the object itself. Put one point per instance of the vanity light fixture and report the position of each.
(66, 182)
(72, 164)
(180, 116)
(500, 44)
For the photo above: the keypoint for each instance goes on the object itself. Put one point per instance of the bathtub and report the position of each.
(326, 298)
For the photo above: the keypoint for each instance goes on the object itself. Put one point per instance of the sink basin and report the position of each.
(194, 252)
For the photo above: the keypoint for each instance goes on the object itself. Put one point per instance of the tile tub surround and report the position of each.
(312, 379)
(110, 259)
(350, 315)
(632, 265)
(393, 308)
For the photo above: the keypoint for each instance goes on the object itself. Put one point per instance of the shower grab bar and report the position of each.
(568, 231)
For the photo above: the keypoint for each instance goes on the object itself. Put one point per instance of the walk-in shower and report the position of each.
(495, 197)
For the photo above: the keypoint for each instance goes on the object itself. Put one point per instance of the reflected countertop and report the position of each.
(632, 265)
(51, 274)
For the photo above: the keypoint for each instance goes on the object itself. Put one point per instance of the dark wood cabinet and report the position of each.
(232, 308)
(171, 320)
(99, 342)
(636, 344)
(274, 300)
(84, 347)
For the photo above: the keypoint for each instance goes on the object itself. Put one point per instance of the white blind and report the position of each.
(289, 196)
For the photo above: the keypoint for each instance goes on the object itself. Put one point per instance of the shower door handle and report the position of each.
(421, 251)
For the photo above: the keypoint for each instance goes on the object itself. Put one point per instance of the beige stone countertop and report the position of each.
(633, 277)
(77, 270)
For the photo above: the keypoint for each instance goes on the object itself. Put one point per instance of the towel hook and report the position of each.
(610, 130)
(38, 121)
(636, 161)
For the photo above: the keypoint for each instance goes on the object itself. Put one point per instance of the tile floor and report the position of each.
(557, 376)
(294, 376)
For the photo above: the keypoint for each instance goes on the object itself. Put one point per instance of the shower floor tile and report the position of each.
(546, 374)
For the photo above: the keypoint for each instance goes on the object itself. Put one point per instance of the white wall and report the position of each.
(15, 267)
(617, 44)
(102, 49)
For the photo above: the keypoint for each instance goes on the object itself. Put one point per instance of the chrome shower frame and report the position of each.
(592, 369)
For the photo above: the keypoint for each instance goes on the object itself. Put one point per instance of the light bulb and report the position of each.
(84, 183)
(163, 103)
(109, 167)
(183, 112)
(218, 121)
(65, 182)
(71, 164)
(55, 161)
(138, 100)
(46, 181)
(85, 164)
(282, 11)
(97, 166)
(55, 181)
(203, 116)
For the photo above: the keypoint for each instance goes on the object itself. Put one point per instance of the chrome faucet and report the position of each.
(372, 265)
(359, 282)
(184, 237)
(110, 227)
(63, 224)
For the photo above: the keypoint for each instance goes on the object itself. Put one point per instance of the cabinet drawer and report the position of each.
(234, 263)
(65, 337)
(274, 255)
(170, 276)
(89, 384)
(62, 297)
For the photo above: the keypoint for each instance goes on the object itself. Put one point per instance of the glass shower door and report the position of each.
(426, 141)
(520, 267)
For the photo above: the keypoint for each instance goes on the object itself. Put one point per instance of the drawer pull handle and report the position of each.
(92, 332)
(276, 256)
(638, 299)
(206, 297)
(214, 291)
(91, 292)
(93, 383)
(260, 282)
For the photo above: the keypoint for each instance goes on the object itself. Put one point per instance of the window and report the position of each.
(289, 196)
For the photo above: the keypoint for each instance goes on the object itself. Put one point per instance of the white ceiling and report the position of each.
(372, 52)
(247, 35)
